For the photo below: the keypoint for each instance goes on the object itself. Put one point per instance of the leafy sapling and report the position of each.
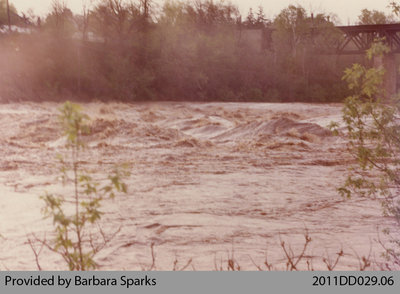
(78, 235)
(372, 124)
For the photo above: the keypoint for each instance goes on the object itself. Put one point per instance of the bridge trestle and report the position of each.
(358, 39)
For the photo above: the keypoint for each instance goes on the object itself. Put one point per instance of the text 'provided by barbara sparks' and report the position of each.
(78, 281)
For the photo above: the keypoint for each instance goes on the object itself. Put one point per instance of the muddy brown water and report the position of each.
(208, 181)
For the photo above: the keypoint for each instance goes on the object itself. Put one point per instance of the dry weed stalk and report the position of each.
(292, 260)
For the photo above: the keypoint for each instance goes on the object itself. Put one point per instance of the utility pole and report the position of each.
(8, 15)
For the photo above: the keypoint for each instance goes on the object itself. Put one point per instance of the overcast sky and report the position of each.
(346, 10)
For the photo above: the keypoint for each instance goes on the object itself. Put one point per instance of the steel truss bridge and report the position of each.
(358, 39)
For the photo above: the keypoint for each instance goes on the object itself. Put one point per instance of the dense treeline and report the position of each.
(201, 50)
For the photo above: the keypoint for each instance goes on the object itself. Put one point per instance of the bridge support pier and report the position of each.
(390, 77)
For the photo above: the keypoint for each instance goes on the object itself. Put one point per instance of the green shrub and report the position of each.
(78, 236)
(373, 135)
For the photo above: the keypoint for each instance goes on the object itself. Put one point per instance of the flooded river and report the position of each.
(209, 182)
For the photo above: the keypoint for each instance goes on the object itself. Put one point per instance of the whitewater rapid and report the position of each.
(209, 181)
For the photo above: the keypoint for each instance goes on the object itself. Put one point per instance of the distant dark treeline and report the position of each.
(198, 51)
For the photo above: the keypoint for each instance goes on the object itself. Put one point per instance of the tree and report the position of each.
(374, 17)
(8, 13)
(292, 22)
(78, 235)
(261, 20)
(60, 20)
(373, 135)
(250, 19)
(82, 21)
